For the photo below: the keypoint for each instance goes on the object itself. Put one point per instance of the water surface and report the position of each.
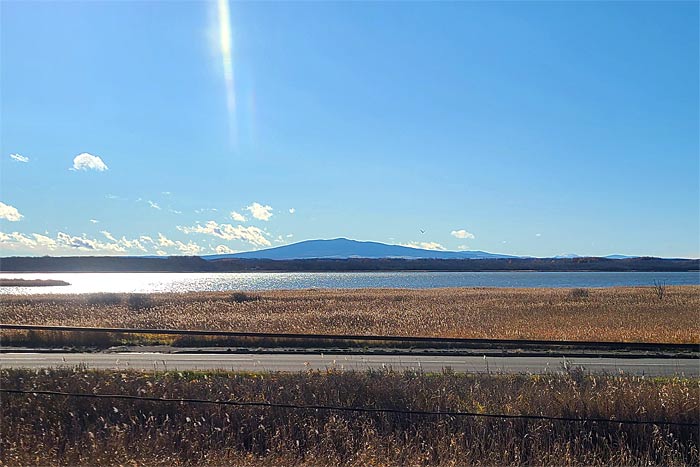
(188, 282)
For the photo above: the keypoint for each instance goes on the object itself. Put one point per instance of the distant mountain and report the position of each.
(342, 248)
(574, 255)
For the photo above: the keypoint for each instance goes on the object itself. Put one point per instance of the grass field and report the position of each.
(41, 430)
(614, 314)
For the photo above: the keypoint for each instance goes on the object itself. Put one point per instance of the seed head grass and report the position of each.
(40, 430)
(612, 314)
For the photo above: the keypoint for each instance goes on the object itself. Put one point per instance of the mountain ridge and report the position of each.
(344, 248)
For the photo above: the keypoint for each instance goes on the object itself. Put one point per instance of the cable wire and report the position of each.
(346, 409)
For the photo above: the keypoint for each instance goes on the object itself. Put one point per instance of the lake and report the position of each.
(188, 282)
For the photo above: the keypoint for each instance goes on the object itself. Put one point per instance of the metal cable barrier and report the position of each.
(408, 340)
(346, 409)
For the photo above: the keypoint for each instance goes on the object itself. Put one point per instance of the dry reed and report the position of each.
(40, 430)
(614, 314)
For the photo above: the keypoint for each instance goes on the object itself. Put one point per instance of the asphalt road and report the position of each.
(297, 362)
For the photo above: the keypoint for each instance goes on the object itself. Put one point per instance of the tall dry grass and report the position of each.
(40, 430)
(611, 314)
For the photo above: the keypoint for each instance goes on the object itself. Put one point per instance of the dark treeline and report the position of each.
(197, 264)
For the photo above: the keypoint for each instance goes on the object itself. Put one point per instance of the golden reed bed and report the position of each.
(612, 314)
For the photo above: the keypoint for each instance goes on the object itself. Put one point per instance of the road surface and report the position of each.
(296, 362)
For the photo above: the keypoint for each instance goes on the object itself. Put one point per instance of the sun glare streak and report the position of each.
(226, 45)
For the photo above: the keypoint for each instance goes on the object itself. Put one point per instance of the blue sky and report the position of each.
(522, 128)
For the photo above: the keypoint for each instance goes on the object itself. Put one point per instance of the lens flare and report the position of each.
(226, 44)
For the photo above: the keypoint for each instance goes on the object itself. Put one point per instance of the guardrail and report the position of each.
(422, 341)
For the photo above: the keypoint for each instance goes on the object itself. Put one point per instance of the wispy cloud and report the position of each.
(86, 161)
(108, 235)
(94, 221)
(237, 217)
(462, 234)
(252, 235)
(260, 212)
(153, 205)
(19, 158)
(425, 245)
(292, 210)
(9, 213)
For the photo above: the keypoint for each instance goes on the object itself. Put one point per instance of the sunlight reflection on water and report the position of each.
(187, 282)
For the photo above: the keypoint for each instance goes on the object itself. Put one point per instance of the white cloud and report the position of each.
(19, 158)
(462, 234)
(164, 241)
(43, 240)
(87, 161)
(166, 193)
(189, 249)
(260, 212)
(463, 247)
(175, 211)
(23, 239)
(65, 243)
(94, 221)
(538, 235)
(292, 210)
(9, 213)
(237, 217)
(153, 205)
(108, 235)
(425, 245)
(134, 244)
(252, 235)
(223, 250)
(87, 244)
(290, 235)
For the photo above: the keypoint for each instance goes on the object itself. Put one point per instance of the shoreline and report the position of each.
(17, 282)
